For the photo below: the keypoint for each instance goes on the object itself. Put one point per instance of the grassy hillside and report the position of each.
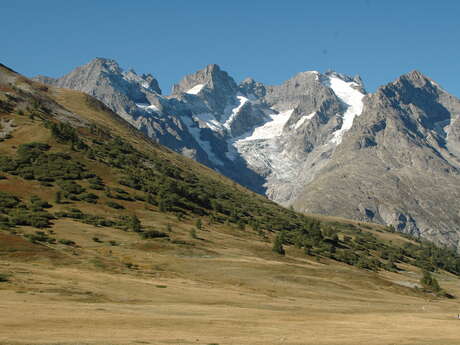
(105, 231)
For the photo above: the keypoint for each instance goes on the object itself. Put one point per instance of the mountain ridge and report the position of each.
(275, 139)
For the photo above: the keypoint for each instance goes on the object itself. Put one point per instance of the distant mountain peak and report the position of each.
(415, 77)
(251, 87)
(104, 64)
(411, 86)
(213, 68)
(211, 76)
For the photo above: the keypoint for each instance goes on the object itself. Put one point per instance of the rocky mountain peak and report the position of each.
(146, 81)
(412, 80)
(104, 63)
(251, 87)
(414, 89)
(212, 69)
(416, 77)
(211, 77)
(356, 82)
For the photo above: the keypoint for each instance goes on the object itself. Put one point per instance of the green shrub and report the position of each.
(38, 204)
(153, 234)
(40, 236)
(67, 242)
(89, 197)
(8, 201)
(114, 205)
(429, 282)
(135, 223)
(70, 187)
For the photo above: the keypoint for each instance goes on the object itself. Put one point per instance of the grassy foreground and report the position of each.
(223, 288)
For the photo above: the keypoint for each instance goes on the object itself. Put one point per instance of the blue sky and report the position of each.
(268, 40)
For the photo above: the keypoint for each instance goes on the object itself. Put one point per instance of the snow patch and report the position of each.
(316, 73)
(147, 106)
(346, 92)
(303, 119)
(209, 120)
(195, 131)
(271, 129)
(131, 76)
(242, 101)
(195, 90)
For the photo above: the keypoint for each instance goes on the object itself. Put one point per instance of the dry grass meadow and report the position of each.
(226, 287)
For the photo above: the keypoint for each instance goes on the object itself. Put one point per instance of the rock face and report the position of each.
(105, 80)
(398, 164)
(317, 141)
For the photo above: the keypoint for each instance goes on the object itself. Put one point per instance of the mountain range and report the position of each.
(318, 142)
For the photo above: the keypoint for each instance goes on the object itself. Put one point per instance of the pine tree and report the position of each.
(429, 282)
(199, 224)
(335, 239)
(278, 244)
(151, 200)
(162, 206)
(135, 224)
(58, 197)
(193, 233)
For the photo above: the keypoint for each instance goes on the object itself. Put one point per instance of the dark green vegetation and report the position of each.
(14, 212)
(278, 244)
(429, 282)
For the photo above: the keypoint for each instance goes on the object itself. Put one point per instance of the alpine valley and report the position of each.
(318, 142)
(107, 237)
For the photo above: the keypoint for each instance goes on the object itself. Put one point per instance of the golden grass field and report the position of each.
(226, 287)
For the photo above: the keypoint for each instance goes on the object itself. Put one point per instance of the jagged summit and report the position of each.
(211, 77)
(104, 61)
(251, 87)
(412, 79)
(414, 75)
(103, 71)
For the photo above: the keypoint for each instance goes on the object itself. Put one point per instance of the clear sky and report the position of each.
(268, 40)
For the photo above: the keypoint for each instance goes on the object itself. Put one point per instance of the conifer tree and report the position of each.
(58, 197)
(135, 224)
(278, 244)
(429, 282)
